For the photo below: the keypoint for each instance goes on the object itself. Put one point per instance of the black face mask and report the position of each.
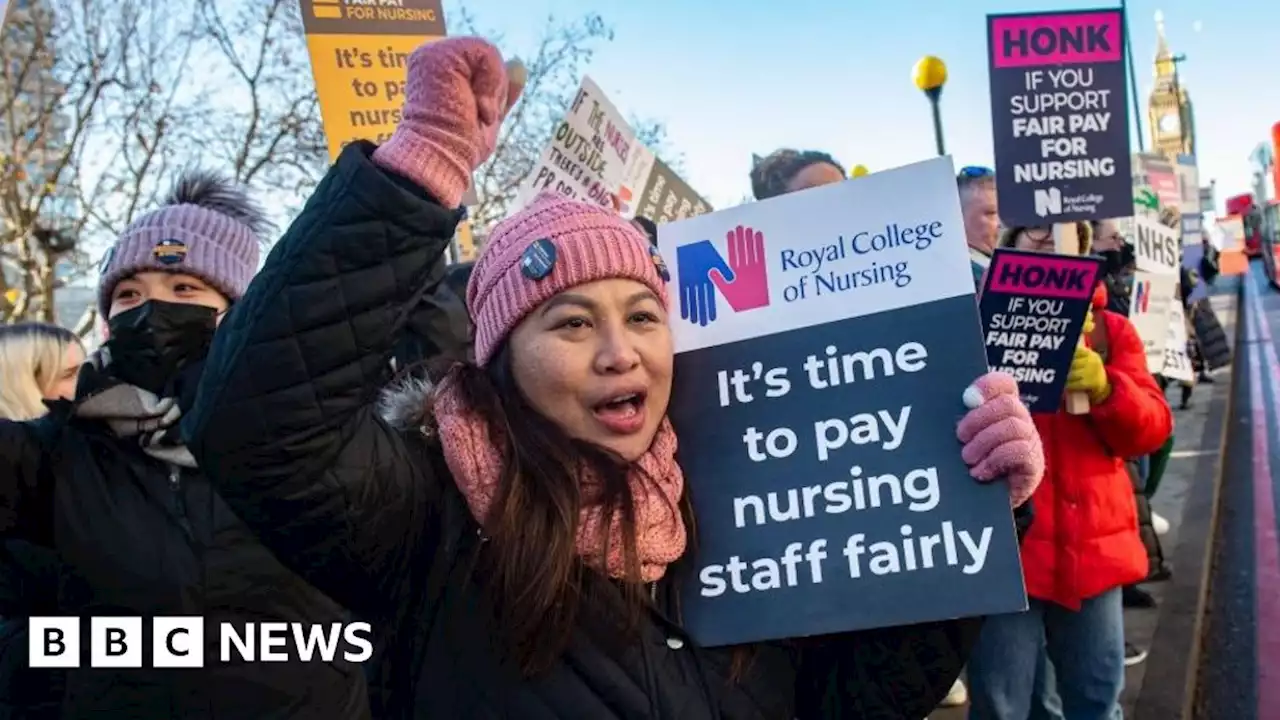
(152, 343)
(1111, 261)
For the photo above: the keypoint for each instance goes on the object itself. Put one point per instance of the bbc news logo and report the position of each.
(179, 642)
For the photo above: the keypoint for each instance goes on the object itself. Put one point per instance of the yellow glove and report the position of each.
(1088, 323)
(1089, 375)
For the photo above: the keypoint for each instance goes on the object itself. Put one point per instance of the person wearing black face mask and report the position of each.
(139, 529)
(1118, 265)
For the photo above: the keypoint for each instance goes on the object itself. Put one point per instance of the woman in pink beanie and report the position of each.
(512, 531)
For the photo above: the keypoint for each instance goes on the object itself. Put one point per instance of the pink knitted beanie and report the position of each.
(208, 228)
(551, 245)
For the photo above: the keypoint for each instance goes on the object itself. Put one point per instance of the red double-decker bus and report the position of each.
(1246, 208)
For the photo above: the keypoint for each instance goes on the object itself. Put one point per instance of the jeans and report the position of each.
(1144, 470)
(1045, 702)
(1086, 649)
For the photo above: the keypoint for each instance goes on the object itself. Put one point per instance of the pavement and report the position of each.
(1157, 688)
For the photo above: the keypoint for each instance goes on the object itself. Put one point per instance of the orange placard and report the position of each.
(358, 52)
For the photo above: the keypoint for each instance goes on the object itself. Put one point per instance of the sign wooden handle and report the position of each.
(1067, 242)
(1077, 403)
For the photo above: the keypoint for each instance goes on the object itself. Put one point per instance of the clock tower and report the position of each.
(1169, 107)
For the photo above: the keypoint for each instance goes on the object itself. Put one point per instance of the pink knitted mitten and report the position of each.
(1000, 440)
(456, 96)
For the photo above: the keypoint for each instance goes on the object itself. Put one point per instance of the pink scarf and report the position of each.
(656, 484)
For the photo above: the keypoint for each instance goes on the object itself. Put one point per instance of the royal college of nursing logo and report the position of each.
(705, 276)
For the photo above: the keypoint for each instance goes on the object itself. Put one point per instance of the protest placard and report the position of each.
(594, 155)
(589, 153)
(1059, 117)
(823, 342)
(1157, 256)
(1155, 247)
(1159, 174)
(358, 53)
(667, 197)
(1151, 301)
(1230, 232)
(1177, 363)
(1033, 310)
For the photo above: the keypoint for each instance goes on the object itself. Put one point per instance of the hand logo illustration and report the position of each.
(748, 287)
(697, 291)
(742, 281)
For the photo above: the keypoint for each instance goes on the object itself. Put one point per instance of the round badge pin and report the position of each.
(169, 251)
(659, 264)
(539, 259)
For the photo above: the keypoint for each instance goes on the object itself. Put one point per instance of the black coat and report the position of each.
(287, 427)
(28, 586)
(136, 537)
(1215, 348)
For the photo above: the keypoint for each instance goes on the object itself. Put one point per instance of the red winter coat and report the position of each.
(1084, 540)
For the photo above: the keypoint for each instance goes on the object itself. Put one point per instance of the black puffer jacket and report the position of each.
(287, 426)
(135, 537)
(28, 586)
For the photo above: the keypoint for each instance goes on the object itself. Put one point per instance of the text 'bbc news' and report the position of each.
(179, 642)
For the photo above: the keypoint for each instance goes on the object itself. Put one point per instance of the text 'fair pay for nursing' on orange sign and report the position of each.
(358, 53)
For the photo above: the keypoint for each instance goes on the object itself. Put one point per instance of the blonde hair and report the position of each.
(31, 357)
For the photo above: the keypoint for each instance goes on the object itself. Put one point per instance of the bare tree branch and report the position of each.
(84, 124)
(271, 136)
(101, 101)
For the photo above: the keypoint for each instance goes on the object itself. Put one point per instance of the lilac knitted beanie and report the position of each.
(207, 227)
(551, 245)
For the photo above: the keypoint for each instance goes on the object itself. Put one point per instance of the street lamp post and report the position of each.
(930, 74)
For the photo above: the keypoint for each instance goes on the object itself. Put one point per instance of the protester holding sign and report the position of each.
(977, 187)
(106, 483)
(1084, 545)
(514, 535)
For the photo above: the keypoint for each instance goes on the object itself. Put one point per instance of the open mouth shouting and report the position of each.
(622, 413)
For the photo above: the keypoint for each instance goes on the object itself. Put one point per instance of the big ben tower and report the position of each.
(1173, 129)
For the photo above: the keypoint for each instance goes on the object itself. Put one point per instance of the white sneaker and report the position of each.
(1159, 524)
(1133, 655)
(957, 696)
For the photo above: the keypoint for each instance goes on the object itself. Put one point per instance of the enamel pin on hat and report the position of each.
(169, 251)
(539, 259)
